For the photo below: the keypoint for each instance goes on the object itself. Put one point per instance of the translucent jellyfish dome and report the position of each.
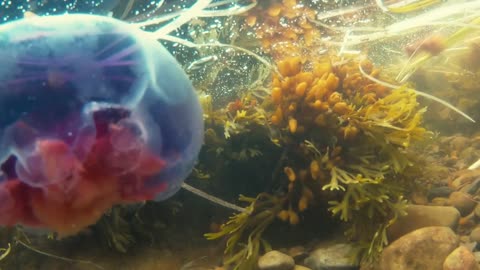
(93, 112)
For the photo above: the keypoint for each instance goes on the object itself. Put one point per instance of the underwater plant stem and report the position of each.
(227, 12)
(438, 14)
(420, 93)
(213, 199)
(129, 7)
(450, 41)
(5, 252)
(381, 5)
(341, 11)
(198, 12)
(248, 52)
(443, 15)
(56, 256)
(183, 18)
(475, 165)
(407, 7)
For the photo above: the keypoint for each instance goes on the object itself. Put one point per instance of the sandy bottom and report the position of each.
(189, 257)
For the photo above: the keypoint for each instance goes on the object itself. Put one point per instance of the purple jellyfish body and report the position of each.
(93, 112)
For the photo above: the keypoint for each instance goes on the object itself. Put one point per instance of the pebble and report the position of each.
(300, 267)
(425, 249)
(435, 192)
(276, 260)
(476, 211)
(458, 143)
(462, 201)
(475, 234)
(298, 253)
(439, 201)
(469, 245)
(419, 216)
(471, 188)
(466, 178)
(419, 198)
(337, 256)
(464, 238)
(477, 256)
(460, 259)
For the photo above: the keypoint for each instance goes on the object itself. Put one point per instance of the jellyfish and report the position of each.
(11, 10)
(94, 112)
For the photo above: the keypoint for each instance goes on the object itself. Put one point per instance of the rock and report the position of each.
(439, 201)
(298, 253)
(458, 143)
(419, 216)
(469, 245)
(460, 259)
(476, 211)
(299, 267)
(424, 249)
(475, 234)
(435, 192)
(275, 260)
(337, 256)
(477, 256)
(462, 180)
(419, 198)
(462, 201)
(471, 188)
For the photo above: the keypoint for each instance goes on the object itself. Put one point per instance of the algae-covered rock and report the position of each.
(419, 216)
(339, 256)
(422, 249)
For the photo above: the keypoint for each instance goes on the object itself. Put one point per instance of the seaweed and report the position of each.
(346, 139)
(248, 226)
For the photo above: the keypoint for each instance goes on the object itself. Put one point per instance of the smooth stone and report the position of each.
(462, 201)
(464, 238)
(276, 260)
(419, 216)
(298, 253)
(419, 198)
(439, 201)
(300, 267)
(459, 143)
(475, 234)
(335, 257)
(471, 188)
(463, 179)
(477, 256)
(469, 245)
(476, 211)
(467, 154)
(435, 192)
(460, 259)
(424, 249)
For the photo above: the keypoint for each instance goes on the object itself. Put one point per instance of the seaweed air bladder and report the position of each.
(93, 112)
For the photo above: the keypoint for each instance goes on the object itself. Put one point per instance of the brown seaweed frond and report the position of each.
(394, 119)
(5, 251)
(244, 231)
